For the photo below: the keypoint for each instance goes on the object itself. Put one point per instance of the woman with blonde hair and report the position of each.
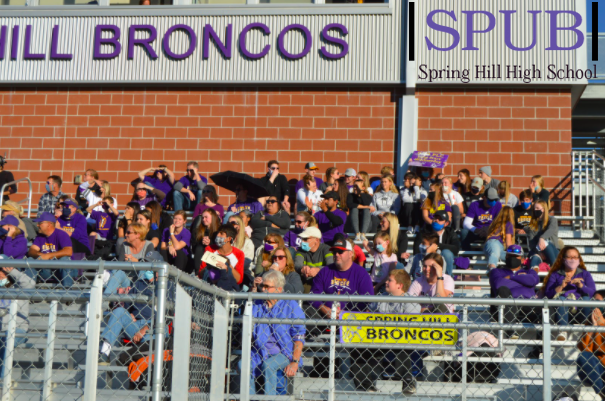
(500, 235)
(282, 262)
(302, 220)
(506, 198)
(437, 203)
(365, 177)
(543, 235)
(241, 240)
(537, 189)
(399, 239)
(263, 253)
(386, 198)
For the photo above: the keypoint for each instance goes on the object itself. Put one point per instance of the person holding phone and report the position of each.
(277, 184)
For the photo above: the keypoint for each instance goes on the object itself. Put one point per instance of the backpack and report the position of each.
(476, 372)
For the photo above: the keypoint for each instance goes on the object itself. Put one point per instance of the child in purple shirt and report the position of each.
(75, 225)
(12, 245)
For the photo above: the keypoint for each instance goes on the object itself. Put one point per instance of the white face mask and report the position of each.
(446, 188)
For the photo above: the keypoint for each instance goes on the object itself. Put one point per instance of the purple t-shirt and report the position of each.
(77, 226)
(200, 207)
(164, 186)
(54, 242)
(328, 232)
(250, 204)
(272, 345)
(105, 226)
(481, 215)
(330, 280)
(301, 184)
(184, 235)
(15, 248)
(509, 230)
(145, 201)
(442, 205)
(190, 183)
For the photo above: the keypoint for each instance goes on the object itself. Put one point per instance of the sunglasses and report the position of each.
(190, 171)
(206, 192)
(233, 223)
(338, 251)
(274, 168)
(299, 221)
(141, 189)
(271, 201)
(279, 257)
(130, 232)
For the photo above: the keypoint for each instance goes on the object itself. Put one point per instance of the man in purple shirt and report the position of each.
(188, 190)
(330, 220)
(480, 215)
(346, 277)
(75, 225)
(242, 202)
(311, 170)
(162, 179)
(51, 243)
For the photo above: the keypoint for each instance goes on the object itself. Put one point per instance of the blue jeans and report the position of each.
(120, 322)
(590, 371)
(18, 341)
(181, 201)
(416, 270)
(494, 250)
(269, 369)
(551, 252)
(448, 257)
(118, 279)
(561, 315)
(66, 277)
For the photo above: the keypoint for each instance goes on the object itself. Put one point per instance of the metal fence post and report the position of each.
(9, 352)
(94, 336)
(331, 380)
(464, 351)
(49, 354)
(245, 373)
(219, 351)
(159, 331)
(547, 382)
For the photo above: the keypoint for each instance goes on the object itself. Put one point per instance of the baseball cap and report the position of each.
(341, 243)
(477, 182)
(153, 256)
(46, 216)
(441, 215)
(311, 166)
(331, 194)
(514, 250)
(69, 202)
(12, 220)
(492, 194)
(350, 172)
(310, 232)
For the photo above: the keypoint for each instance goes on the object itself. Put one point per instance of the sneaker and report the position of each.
(512, 335)
(411, 231)
(372, 389)
(573, 310)
(363, 237)
(358, 237)
(562, 336)
(409, 387)
(103, 359)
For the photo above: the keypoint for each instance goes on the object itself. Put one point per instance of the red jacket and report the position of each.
(236, 258)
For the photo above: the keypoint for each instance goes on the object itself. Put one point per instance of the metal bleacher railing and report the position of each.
(200, 339)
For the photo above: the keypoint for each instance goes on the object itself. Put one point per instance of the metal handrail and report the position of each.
(29, 198)
(596, 183)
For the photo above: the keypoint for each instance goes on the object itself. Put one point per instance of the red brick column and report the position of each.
(518, 132)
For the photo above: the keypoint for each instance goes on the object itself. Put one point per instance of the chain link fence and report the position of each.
(598, 185)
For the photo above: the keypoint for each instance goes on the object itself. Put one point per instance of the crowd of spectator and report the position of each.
(256, 249)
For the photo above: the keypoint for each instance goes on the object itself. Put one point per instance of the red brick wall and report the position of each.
(120, 132)
(519, 133)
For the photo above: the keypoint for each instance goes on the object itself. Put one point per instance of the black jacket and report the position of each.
(450, 240)
(279, 188)
(260, 227)
(354, 200)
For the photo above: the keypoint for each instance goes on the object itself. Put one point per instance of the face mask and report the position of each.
(446, 188)
(491, 203)
(48, 188)
(572, 264)
(436, 226)
(474, 190)
(423, 249)
(305, 246)
(146, 275)
(3, 282)
(526, 205)
(268, 248)
(3, 232)
(425, 174)
(220, 241)
(537, 214)
(380, 248)
(66, 212)
(154, 226)
(513, 263)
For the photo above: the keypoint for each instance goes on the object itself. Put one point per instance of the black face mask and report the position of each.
(475, 191)
(513, 262)
(537, 214)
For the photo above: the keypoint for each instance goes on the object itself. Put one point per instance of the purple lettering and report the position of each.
(54, 52)
(113, 41)
(308, 41)
(242, 40)
(554, 28)
(441, 28)
(470, 27)
(27, 55)
(225, 48)
(507, 30)
(337, 41)
(2, 41)
(145, 43)
(192, 41)
(15, 42)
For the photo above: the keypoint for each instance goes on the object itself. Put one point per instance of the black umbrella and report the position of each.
(231, 179)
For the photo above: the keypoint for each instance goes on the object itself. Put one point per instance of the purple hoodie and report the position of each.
(15, 248)
(328, 230)
(522, 283)
(556, 279)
